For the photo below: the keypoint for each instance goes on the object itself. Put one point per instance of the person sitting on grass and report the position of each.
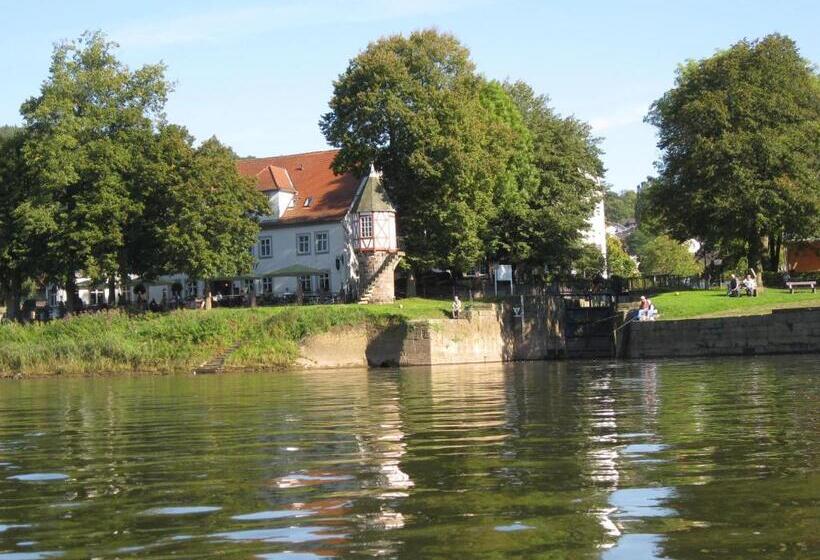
(734, 287)
(750, 285)
(456, 307)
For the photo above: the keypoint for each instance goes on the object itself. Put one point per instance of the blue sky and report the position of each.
(259, 74)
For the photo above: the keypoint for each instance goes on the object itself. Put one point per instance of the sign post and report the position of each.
(503, 273)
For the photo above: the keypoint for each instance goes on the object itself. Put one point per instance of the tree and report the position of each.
(618, 261)
(83, 129)
(740, 135)
(620, 207)
(664, 255)
(589, 261)
(200, 215)
(567, 162)
(413, 107)
(25, 222)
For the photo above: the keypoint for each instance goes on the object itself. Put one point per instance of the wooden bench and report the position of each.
(807, 284)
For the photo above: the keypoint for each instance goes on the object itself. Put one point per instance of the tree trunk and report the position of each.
(71, 292)
(112, 290)
(754, 251)
(13, 301)
(207, 294)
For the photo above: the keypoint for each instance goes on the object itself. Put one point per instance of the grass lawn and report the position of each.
(181, 340)
(715, 303)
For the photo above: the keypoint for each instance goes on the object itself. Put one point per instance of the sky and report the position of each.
(259, 75)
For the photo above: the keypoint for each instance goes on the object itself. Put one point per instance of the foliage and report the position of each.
(740, 135)
(620, 207)
(82, 130)
(715, 303)
(567, 160)
(24, 222)
(476, 169)
(664, 255)
(618, 261)
(412, 107)
(589, 262)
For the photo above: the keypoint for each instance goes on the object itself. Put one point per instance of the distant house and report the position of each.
(326, 234)
(803, 256)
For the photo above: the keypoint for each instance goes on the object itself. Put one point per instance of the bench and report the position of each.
(807, 284)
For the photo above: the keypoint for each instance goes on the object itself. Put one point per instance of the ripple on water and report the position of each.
(4, 528)
(30, 555)
(298, 480)
(181, 510)
(637, 545)
(267, 515)
(642, 502)
(643, 448)
(39, 477)
(284, 534)
(288, 555)
(513, 527)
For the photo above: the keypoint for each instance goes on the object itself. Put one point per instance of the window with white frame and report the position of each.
(305, 283)
(366, 226)
(323, 282)
(267, 285)
(190, 289)
(96, 297)
(265, 247)
(303, 244)
(320, 239)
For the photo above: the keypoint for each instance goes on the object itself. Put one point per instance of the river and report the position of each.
(671, 459)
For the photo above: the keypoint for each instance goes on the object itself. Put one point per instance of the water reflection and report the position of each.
(678, 459)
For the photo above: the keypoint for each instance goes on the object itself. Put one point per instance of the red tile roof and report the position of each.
(273, 178)
(311, 176)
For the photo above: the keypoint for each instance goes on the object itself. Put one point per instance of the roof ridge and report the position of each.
(289, 155)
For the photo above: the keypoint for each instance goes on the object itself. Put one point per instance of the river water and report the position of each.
(670, 459)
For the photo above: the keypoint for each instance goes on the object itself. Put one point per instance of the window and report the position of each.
(320, 238)
(265, 248)
(97, 297)
(303, 244)
(304, 283)
(307, 202)
(190, 290)
(267, 285)
(323, 281)
(366, 226)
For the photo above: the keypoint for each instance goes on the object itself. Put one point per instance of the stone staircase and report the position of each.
(389, 264)
(217, 363)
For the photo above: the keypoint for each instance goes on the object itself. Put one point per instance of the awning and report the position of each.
(293, 270)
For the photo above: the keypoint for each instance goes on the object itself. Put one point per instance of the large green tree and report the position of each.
(567, 162)
(198, 214)
(25, 222)
(664, 255)
(618, 261)
(413, 107)
(740, 135)
(83, 131)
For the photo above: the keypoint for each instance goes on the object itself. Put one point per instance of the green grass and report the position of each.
(181, 340)
(715, 303)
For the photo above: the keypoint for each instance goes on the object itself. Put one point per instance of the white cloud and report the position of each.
(219, 24)
(621, 117)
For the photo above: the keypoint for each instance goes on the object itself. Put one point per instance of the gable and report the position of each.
(310, 176)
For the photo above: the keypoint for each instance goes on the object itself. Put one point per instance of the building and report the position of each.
(327, 235)
(803, 256)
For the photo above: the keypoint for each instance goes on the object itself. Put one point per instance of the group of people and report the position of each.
(748, 285)
(647, 310)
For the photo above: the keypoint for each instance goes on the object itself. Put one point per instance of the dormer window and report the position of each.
(307, 202)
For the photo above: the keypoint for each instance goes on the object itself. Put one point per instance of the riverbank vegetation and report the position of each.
(715, 303)
(179, 341)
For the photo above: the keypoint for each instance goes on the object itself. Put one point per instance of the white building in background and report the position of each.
(326, 234)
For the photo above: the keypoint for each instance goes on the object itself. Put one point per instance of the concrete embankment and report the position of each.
(497, 334)
(786, 331)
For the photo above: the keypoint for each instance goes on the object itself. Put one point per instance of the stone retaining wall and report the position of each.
(786, 331)
(491, 335)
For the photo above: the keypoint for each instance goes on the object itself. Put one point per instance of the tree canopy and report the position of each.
(740, 141)
(477, 169)
(98, 183)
